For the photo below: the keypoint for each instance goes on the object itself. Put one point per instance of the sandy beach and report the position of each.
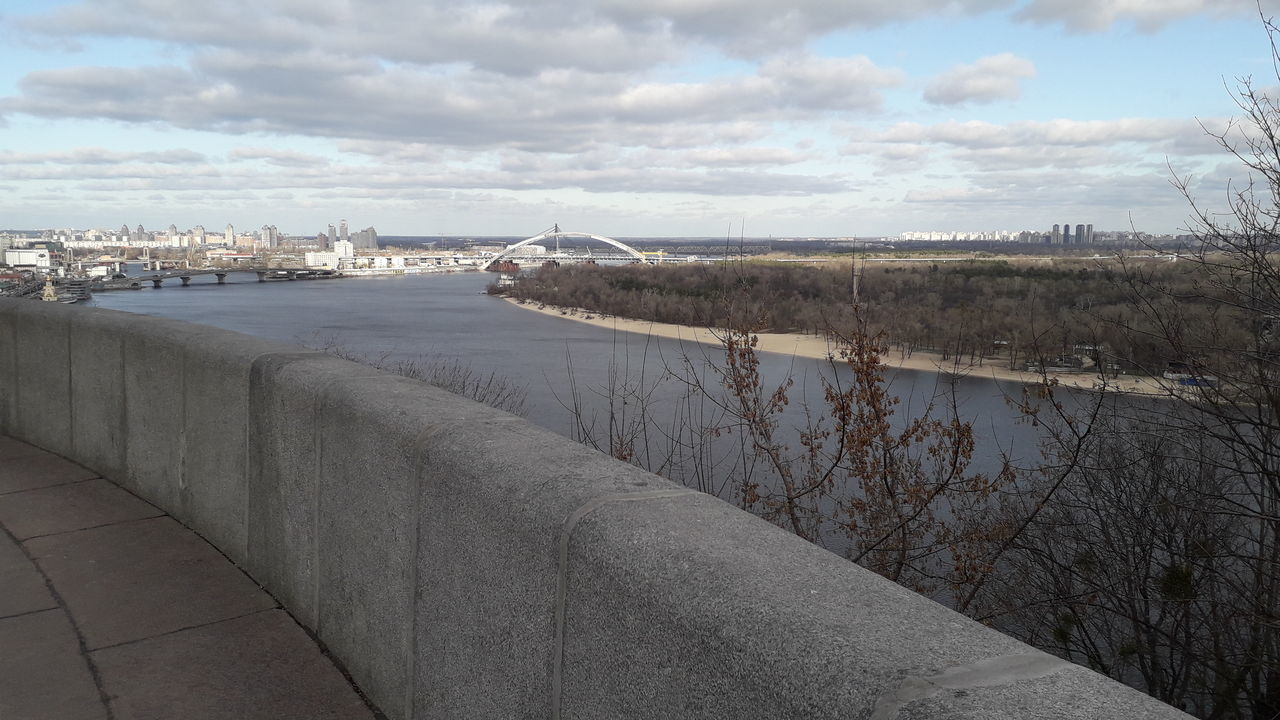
(809, 346)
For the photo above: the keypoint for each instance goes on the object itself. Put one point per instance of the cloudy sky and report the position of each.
(619, 117)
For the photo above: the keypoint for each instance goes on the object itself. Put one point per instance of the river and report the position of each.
(448, 317)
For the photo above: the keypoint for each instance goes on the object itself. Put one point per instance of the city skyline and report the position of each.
(628, 119)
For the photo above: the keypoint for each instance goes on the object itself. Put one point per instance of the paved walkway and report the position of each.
(111, 609)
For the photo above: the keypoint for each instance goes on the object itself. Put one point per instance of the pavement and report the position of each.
(110, 609)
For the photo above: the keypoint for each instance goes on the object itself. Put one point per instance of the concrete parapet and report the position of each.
(97, 384)
(284, 472)
(8, 369)
(41, 403)
(463, 563)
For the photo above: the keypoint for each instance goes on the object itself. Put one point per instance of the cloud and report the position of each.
(1039, 145)
(506, 37)
(755, 28)
(820, 83)
(604, 169)
(101, 156)
(743, 157)
(509, 38)
(358, 99)
(118, 93)
(1078, 133)
(1146, 15)
(280, 158)
(987, 80)
(1104, 198)
(408, 102)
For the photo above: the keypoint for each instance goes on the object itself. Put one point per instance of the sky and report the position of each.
(624, 118)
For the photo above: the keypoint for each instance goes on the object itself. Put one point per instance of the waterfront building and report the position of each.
(40, 258)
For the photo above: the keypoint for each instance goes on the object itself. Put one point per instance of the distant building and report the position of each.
(40, 258)
(333, 235)
(366, 239)
(321, 260)
(229, 237)
(342, 231)
(269, 236)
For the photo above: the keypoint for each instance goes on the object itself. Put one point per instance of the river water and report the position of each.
(448, 317)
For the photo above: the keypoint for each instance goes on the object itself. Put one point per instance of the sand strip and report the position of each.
(810, 346)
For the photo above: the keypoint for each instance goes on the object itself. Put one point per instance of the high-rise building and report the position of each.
(342, 231)
(197, 235)
(333, 235)
(1088, 233)
(229, 237)
(1057, 235)
(366, 239)
(1066, 234)
(269, 236)
(1080, 236)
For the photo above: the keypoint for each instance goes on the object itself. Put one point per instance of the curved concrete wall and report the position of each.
(463, 563)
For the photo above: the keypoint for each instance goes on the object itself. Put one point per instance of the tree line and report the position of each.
(973, 311)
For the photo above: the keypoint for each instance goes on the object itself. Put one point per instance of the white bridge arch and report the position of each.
(556, 232)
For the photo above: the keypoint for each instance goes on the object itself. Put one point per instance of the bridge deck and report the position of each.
(111, 609)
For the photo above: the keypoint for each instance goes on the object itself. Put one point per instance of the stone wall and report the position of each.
(463, 563)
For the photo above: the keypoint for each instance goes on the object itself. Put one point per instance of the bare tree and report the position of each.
(1154, 555)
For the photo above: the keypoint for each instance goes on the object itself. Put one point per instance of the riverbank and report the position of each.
(810, 346)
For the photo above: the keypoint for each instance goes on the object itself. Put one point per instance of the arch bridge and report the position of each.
(556, 232)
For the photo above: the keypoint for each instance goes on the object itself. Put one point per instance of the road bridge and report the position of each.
(555, 233)
(185, 274)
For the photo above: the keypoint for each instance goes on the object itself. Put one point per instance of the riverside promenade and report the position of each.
(111, 609)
